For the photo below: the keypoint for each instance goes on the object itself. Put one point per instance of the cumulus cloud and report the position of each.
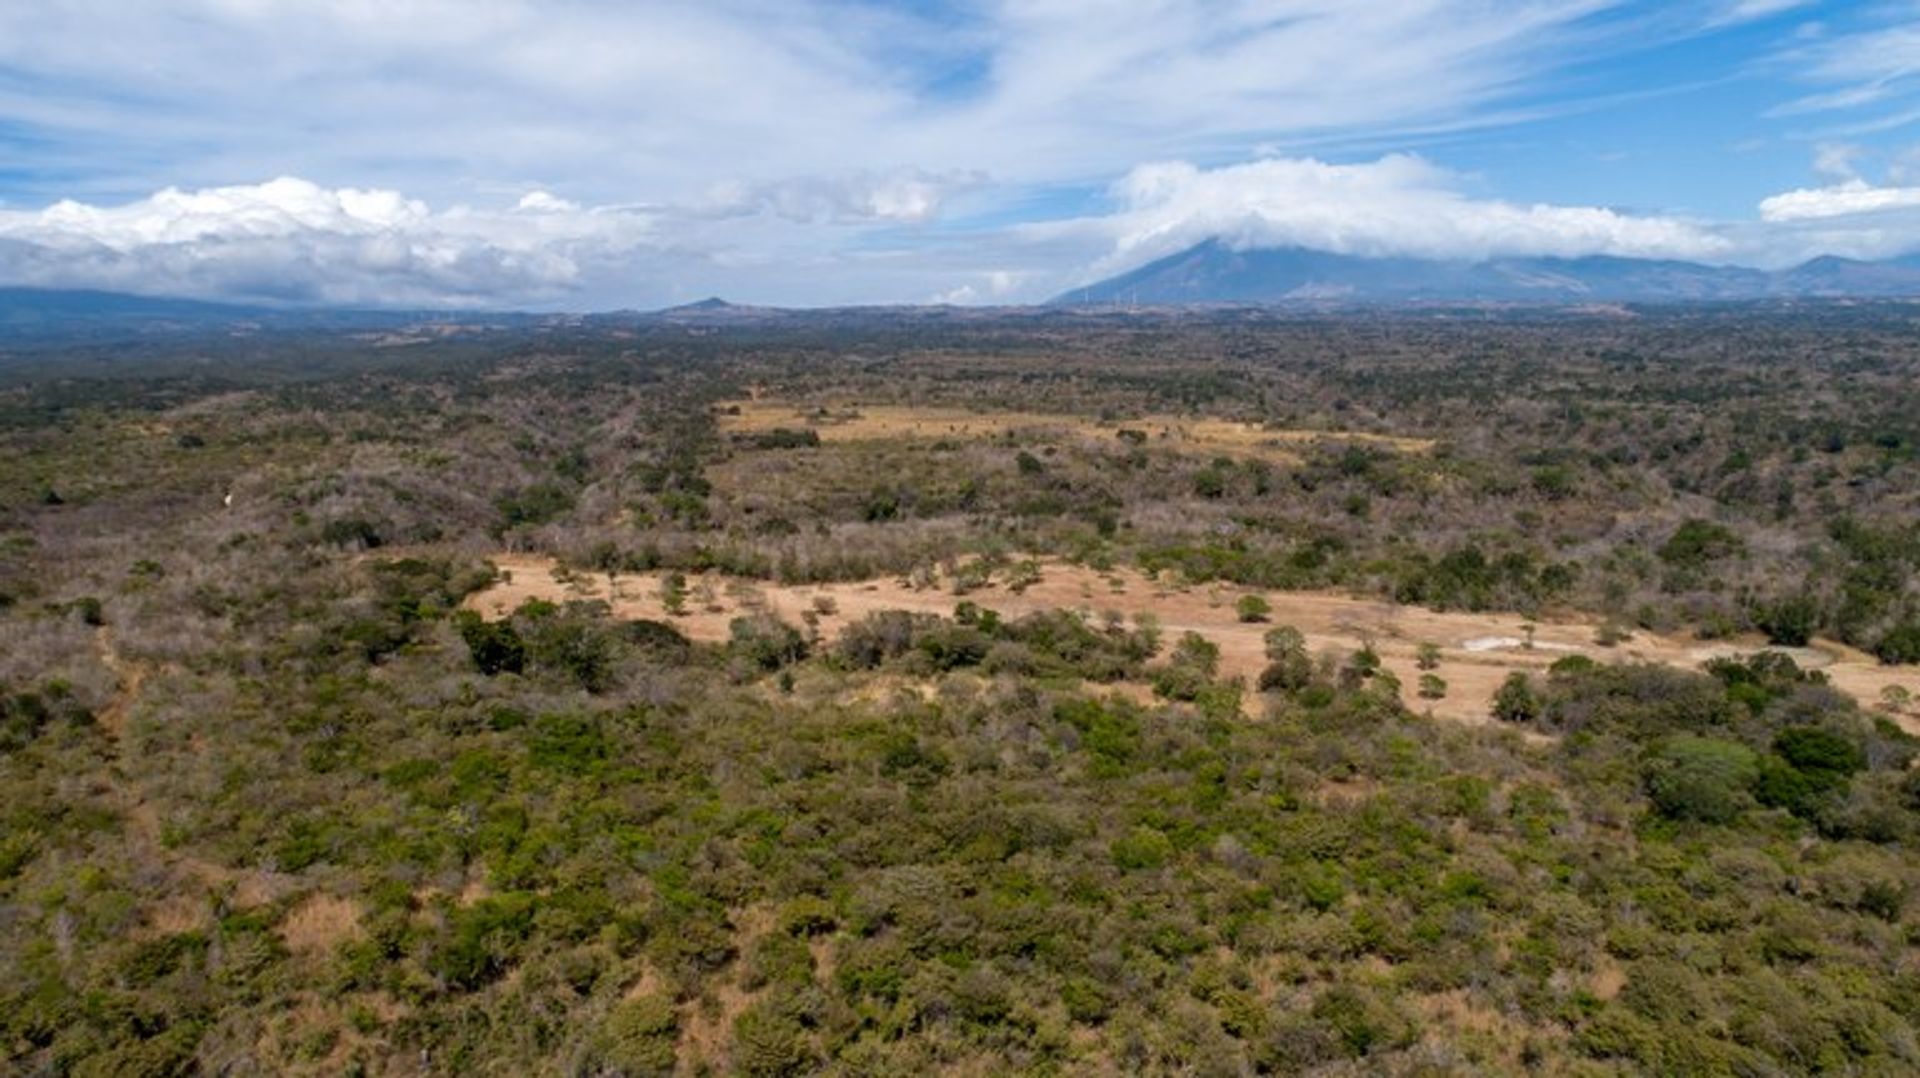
(1849, 215)
(292, 240)
(1397, 205)
(545, 202)
(988, 286)
(1848, 198)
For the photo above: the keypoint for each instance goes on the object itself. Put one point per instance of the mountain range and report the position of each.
(1213, 272)
(40, 315)
(1210, 274)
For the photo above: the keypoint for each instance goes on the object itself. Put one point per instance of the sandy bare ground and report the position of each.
(1188, 434)
(1477, 651)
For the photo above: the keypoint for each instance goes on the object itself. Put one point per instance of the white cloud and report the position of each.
(1396, 205)
(1836, 160)
(293, 240)
(1873, 56)
(788, 141)
(1750, 10)
(989, 286)
(904, 196)
(662, 100)
(1833, 100)
(289, 239)
(814, 151)
(676, 95)
(545, 202)
(1857, 69)
(1848, 198)
(1904, 168)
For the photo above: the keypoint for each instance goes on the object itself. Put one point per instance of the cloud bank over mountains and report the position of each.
(593, 153)
(289, 240)
(1398, 205)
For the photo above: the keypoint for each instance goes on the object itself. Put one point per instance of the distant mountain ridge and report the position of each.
(1214, 272)
(1209, 274)
(40, 314)
(29, 307)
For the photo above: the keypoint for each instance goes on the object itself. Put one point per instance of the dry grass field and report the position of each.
(1477, 651)
(1186, 434)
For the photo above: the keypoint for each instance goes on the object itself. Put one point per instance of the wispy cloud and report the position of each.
(674, 97)
(1741, 11)
(1872, 69)
(1838, 160)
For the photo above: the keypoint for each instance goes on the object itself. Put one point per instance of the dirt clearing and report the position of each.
(1476, 651)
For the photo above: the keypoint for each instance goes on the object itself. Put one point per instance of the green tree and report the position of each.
(495, 646)
(766, 642)
(574, 640)
(638, 1036)
(1901, 644)
(1788, 621)
(1813, 748)
(770, 1042)
(1696, 543)
(673, 593)
(1197, 652)
(1701, 778)
(1289, 666)
(1517, 701)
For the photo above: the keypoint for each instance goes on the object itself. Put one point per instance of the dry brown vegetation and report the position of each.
(320, 924)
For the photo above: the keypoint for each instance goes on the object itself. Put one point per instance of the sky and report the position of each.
(590, 154)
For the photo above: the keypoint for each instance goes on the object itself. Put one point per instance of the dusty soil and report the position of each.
(1188, 434)
(132, 678)
(1477, 651)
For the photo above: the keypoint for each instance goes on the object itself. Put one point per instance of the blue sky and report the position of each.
(587, 153)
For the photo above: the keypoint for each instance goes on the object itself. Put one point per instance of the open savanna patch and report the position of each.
(1193, 435)
(1471, 653)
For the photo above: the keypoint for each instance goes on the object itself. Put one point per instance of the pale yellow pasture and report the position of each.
(1195, 435)
(1476, 651)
